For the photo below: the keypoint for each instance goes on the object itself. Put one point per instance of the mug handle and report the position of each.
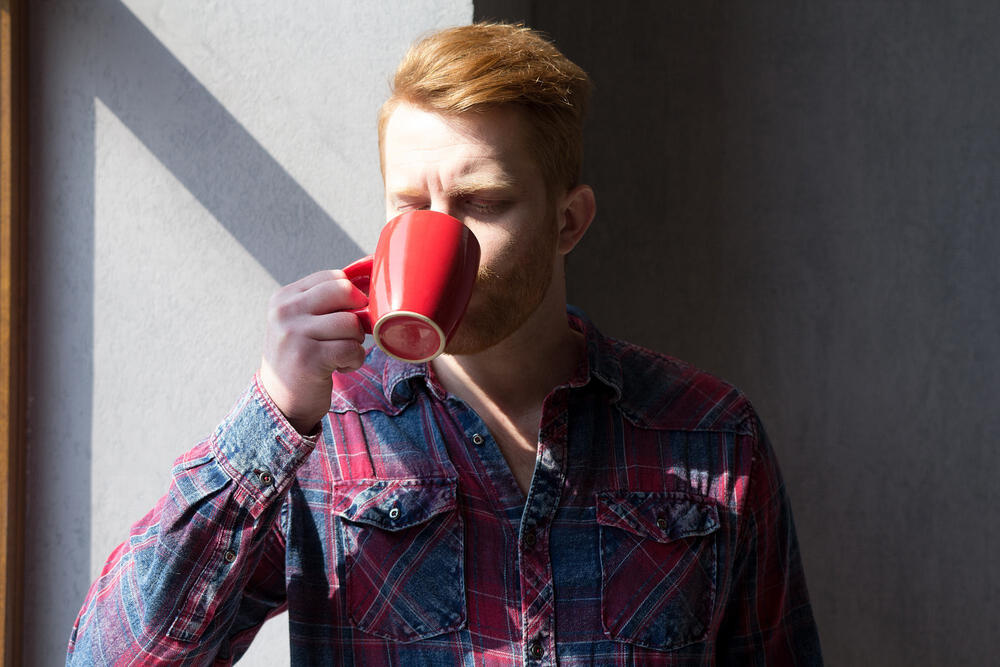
(360, 273)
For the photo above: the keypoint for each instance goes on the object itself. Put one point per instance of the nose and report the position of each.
(445, 206)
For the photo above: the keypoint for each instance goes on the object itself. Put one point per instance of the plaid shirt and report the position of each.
(656, 531)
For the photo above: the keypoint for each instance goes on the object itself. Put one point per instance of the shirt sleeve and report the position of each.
(768, 620)
(204, 568)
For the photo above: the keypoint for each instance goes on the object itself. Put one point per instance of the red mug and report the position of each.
(418, 283)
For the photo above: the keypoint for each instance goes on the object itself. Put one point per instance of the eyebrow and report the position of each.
(470, 184)
(463, 185)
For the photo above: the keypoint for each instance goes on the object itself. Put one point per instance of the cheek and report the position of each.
(494, 244)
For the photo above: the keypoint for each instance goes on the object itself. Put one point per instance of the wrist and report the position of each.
(305, 422)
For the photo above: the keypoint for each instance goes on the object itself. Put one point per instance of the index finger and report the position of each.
(318, 278)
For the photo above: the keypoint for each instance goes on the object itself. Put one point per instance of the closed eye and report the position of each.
(486, 206)
(404, 207)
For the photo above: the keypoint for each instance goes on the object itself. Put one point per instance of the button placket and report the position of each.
(485, 458)
(541, 506)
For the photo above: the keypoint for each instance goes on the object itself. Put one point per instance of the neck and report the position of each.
(519, 372)
(507, 384)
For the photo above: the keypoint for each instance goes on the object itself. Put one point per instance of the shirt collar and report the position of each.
(396, 377)
(600, 363)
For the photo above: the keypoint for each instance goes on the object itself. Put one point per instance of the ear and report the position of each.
(575, 212)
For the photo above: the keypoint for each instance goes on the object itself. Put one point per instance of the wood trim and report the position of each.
(13, 323)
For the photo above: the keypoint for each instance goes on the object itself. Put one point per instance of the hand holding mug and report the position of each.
(311, 332)
(411, 295)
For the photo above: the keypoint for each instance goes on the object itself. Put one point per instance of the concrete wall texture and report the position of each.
(800, 197)
(804, 198)
(187, 159)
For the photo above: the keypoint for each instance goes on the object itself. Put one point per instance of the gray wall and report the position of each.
(186, 159)
(802, 198)
(805, 199)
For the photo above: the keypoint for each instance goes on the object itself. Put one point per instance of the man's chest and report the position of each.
(624, 539)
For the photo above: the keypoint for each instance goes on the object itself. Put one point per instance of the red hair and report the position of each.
(487, 65)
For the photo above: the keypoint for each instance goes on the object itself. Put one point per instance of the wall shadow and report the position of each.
(803, 199)
(105, 53)
(61, 339)
(211, 153)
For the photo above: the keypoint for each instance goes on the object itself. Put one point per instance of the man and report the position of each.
(540, 494)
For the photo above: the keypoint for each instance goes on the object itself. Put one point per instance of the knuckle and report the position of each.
(299, 356)
(282, 310)
(272, 307)
(347, 325)
(341, 290)
(347, 352)
(282, 293)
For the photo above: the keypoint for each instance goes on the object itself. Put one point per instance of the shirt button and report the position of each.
(265, 477)
(394, 513)
(530, 537)
(535, 650)
(478, 439)
(230, 555)
(661, 523)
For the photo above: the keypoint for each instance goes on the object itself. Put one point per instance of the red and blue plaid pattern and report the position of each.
(656, 531)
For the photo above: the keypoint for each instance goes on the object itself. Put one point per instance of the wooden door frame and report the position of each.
(13, 321)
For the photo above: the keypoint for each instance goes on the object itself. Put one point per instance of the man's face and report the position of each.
(475, 167)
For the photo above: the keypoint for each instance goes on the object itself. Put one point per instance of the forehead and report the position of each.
(424, 145)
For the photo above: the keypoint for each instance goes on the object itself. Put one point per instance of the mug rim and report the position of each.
(409, 313)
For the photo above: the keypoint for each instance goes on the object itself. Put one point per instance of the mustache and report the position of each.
(486, 275)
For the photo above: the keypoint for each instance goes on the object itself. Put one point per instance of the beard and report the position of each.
(506, 293)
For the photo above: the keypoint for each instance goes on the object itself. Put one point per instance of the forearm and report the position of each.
(172, 592)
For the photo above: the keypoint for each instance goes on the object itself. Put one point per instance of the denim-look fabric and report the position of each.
(656, 531)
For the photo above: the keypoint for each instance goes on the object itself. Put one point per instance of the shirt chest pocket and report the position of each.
(658, 567)
(401, 550)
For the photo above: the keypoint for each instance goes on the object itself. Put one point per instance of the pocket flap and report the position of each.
(663, 517)
(394, 504)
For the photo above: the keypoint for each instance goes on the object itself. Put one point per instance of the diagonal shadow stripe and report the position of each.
(212, 154)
